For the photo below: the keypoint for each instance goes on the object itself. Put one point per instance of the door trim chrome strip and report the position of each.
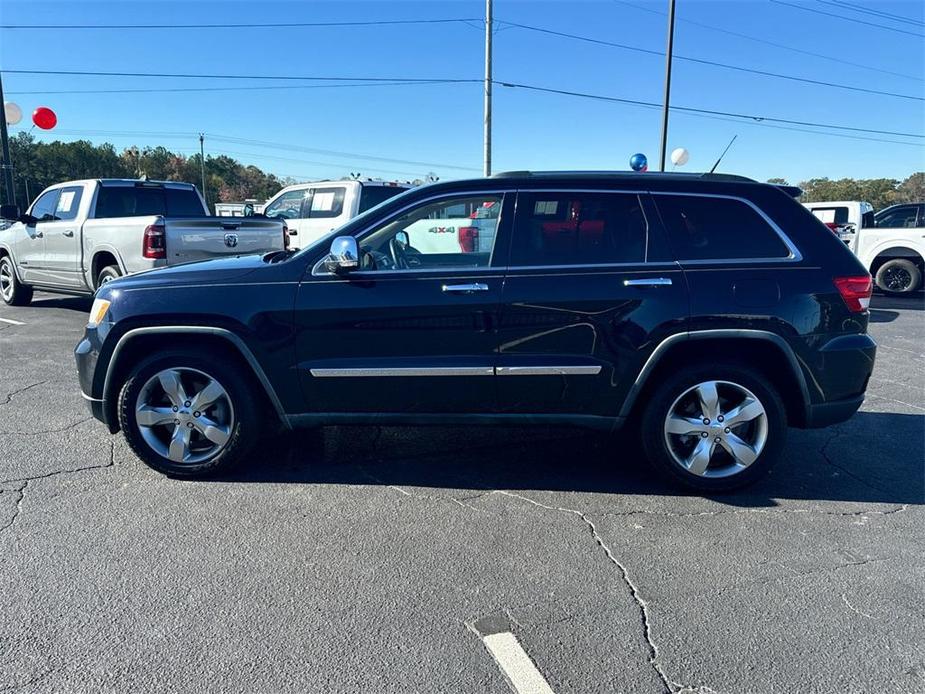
(589, 370)
(404, 371)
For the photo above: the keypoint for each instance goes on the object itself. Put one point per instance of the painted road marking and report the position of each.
(11, 321)
(499, 640)
(516, 664)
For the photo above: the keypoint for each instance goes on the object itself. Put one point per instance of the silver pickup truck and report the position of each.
(79, 234)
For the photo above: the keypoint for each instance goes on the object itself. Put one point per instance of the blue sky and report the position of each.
(440, 125)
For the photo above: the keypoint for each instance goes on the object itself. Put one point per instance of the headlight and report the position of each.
(98, 312)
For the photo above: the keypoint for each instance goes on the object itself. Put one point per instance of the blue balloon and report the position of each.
(638, 162)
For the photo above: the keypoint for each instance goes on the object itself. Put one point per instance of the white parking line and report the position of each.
(11, 321)
(516, 664)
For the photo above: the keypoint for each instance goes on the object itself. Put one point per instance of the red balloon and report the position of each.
(44, 118)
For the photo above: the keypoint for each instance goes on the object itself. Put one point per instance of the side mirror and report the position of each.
(344, 255)
(9, 212)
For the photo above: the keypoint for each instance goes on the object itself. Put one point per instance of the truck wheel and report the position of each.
(188, 414)
(107, 274)
(898, 277)
(714, 428)
(14, 292)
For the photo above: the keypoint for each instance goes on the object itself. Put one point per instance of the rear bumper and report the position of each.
(828, 413)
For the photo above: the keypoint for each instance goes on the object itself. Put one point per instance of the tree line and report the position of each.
(37, 165)
(879, 192)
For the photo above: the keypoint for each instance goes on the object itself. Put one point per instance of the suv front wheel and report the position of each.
(187, 415)
(714, 428)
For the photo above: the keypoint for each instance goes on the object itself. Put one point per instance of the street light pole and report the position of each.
(202, 165)
(6, 164)
(488, 32)
(668, 52)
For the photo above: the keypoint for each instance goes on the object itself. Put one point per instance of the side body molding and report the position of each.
(233, 339)
(671, 340)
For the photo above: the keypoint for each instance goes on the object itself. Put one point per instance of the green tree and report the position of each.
(912, 189)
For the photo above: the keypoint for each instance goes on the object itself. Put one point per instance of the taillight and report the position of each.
(855, 291)
(285, 236)
(468, 239)
(833, 226)
(154, 244)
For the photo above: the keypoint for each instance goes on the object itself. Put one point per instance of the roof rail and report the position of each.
(623, 174)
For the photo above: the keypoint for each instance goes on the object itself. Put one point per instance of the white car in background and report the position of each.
(890, 243)
(312, 210)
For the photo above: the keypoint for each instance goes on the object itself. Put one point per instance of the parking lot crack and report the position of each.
(824, 452)
(13, 394)
(48, 431)
(17, 508)
(641, 604)
(108, 464)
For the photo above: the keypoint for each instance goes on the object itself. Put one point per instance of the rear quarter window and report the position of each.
(716, 228)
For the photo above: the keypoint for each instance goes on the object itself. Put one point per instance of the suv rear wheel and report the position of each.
(714, 428)
(13, 292)
(187, 415)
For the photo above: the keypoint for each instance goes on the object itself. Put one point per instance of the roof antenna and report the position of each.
(724, 153)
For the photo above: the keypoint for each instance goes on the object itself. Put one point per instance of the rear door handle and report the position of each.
(648, 282)
(69, 232)
(465, 288)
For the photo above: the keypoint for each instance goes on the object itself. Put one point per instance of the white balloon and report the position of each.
(680, 156)
(13, 113)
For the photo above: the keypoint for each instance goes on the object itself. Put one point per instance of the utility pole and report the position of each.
(488, 31)
(202, 165)
(668, 52)
(6, 164)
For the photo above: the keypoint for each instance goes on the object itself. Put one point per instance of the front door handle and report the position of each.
(69, 232)
(648, 282)
(465, 288)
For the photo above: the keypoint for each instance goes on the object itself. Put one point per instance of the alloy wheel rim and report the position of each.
(716, 429)
(185, 415)
(898, 278)
(6, 281)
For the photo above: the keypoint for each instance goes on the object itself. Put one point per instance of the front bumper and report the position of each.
(87, 355)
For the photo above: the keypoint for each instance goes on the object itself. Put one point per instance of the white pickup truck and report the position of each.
(79, 234)
(890, 243)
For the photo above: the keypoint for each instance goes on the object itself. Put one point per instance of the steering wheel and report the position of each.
(399, 254)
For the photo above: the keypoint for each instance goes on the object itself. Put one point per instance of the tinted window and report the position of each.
(578, 229)
(327, 202)
(452, 233)
(710, 228)
(370, 196)
(68, 202)
(140, 201)
(899, 218)
(288, 205)
(43, 209)
(183, 202)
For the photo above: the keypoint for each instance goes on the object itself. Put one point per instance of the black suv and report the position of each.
(709, 312)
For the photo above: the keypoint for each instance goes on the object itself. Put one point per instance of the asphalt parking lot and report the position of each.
(378, 559)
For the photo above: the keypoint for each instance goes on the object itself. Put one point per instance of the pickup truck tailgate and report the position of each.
(202, 238)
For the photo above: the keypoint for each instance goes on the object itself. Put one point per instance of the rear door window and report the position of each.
(370, 196)
(327, 202)
(575, 228)
(717, 228)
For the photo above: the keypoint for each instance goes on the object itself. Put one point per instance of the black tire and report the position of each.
(245, 430)
(107, 274)
(664, 396)
(14, 292)
(898, 277)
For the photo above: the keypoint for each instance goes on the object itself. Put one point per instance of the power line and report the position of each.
(232, 89)
(708, 111)
(280, 25)
(848, 19)
(726, 66)
(325, 78)
(876, 13)
(769, 43)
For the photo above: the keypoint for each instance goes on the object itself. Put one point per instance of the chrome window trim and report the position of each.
(794, 252)
(441, 196)
(404, 371)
